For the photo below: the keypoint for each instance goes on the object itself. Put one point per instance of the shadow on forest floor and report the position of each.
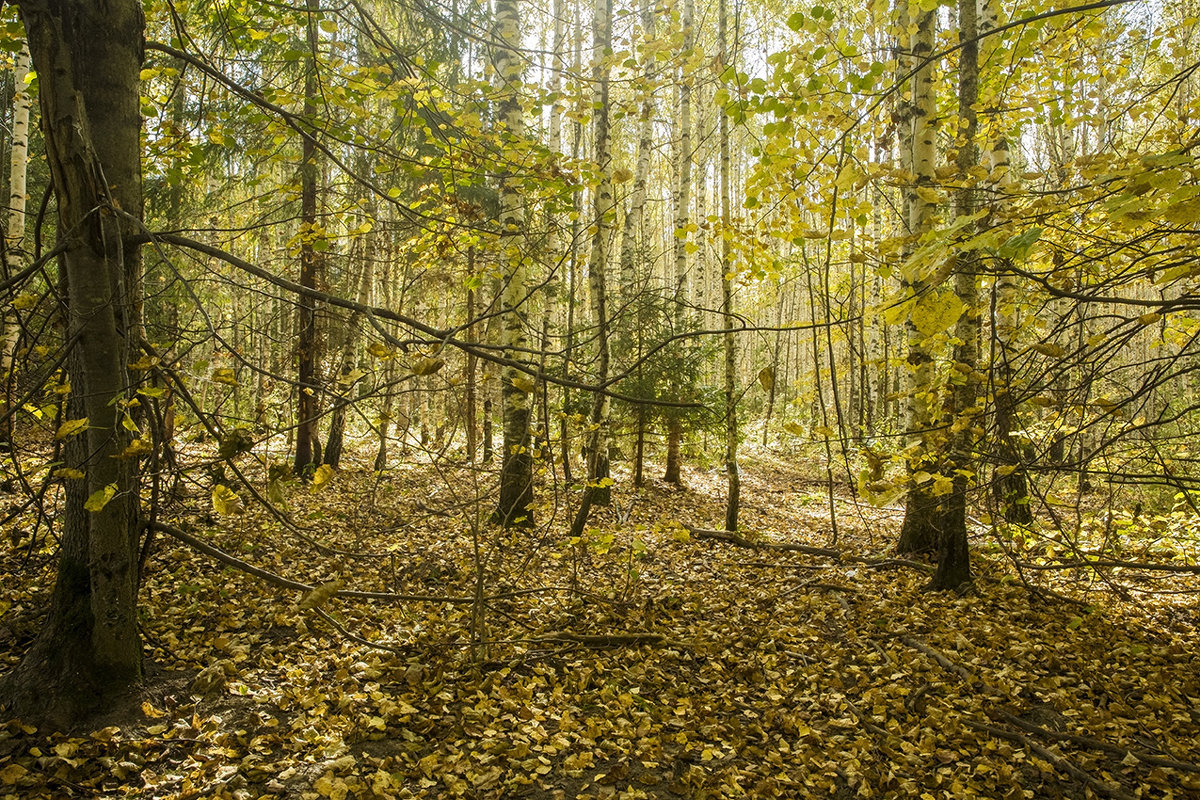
(640, 662)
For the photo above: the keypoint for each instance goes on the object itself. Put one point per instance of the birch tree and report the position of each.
(516, 468)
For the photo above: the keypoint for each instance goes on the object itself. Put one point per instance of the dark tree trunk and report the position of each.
(674, 439)
(88, 57)
(920, 532)
(307, 449)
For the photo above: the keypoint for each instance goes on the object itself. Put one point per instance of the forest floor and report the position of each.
(645, 661)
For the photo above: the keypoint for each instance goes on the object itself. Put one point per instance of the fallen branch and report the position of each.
(604, 640)
(286, 583)
(737, 540)
(1056, 760)
(1097, 744)
(1193, 569)
(946, 663)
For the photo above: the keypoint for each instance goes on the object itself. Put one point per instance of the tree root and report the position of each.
(1059, 762)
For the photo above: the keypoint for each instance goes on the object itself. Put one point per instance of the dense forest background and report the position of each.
(494, 343)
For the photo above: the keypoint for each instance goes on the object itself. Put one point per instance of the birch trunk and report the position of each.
(516, 466)
(920, 529)
(14, 236)
(599, 491)
(732, 501)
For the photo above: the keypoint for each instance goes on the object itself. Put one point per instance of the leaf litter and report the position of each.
(641, 661)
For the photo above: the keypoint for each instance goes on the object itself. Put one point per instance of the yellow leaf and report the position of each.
(794, 428)
(427, 366)
(225, 375)
(100, 498)
(1149, 319)
(522, 384)
(942, 485)
(12, 773)
(321, 595)
(936, 312)
(766, 378)
(226, 501)
(379, 350)
(1050, 349)
(136, 449)
(71, 427)
(322, 477)
(144, 363)
(68, 473)
(25, 301)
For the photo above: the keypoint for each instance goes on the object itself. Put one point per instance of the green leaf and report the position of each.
(1017, 247)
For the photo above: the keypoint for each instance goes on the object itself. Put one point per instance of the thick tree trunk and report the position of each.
(88, 57)
(954, 562)
(516, 468)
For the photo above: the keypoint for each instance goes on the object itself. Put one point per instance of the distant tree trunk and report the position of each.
(14, 235)
(954, 560)
(335, 443)
(307, 446)
(516, 469)
(1010, 489)
(920, 529)
(733, 499)
(88, 58)
(471, 400)
(632, 234)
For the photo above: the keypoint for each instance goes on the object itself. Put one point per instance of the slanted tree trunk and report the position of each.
(14, 236)
(88, 57)
(920, 529)
(516, 468)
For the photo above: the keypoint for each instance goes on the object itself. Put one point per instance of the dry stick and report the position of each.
(946, 663)
(1058, 761)
(1097, 744)
(610, 640)
(825, 552)
(286, 583)
(1083, 741)
(1149, 567)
